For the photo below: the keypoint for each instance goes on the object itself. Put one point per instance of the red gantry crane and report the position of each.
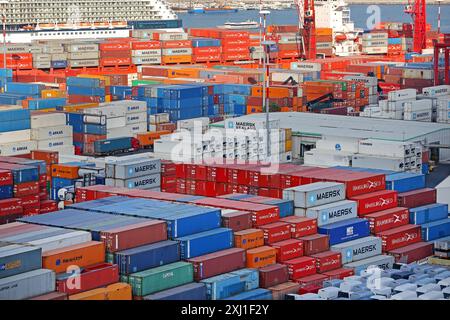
(307, 28)
(418, 11)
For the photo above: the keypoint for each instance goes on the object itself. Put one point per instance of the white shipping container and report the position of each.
(378, 162)
(436, 91)
(327, 158)
(333, 212)
(159, 118)
(427, 74)
(404, 94)
(17, 148)
(82, 55)
(47, 120)
(338, 144)
(46, 133)
(375, 50)
(118, 108)
(306, 66)
(15, 136)
(147, 60)
(136, 118)
(420, 115)
(416, 105)
(54, 143)
(368, 81)
(385, 148)
(27, 285)
(146, 53)
(168, 36)
(177, 52)
(116, 122)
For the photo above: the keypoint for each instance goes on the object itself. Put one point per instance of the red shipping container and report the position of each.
(339, 273)
(293, 179)
(301, 226)
(11, 206)
(114, 46)
(26, 188)
(168, 182)
(196, 172)
(315, 243)
(89, 278)
(235, 50)
(176, 44)
(115, 61)
(115, 54)
(315, 280)
(145, 45)
(6, 178)
(48, 206)
(271, 193)
(217, 263)
(388, 219)
(376, 201)
(273, 275)
(216, 173)
(134, 235)
(31, 200)
(206, 51)
(235, 56)
(357, 183)
(181, 170)
(236, 42)
(168, 168)
(301, 267)
(311, 288)
(413, 252)
(288, 249)
(417, 198)
(181, 186)
(206, 57)
(276, 232)
(31, 211)
(261, 214)
(327, 260)
(400, 237)
(237, 220)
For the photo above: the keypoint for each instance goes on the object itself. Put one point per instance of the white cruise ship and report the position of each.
(335, 14)
(30, 20)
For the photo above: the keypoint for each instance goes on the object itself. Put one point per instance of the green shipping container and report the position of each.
(136, 83)
(109, 258)
(161, 278)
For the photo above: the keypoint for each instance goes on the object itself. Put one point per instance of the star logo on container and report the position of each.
(348, 253)
(130, 171)
(312, 198)
(338, 147)
(324, 216)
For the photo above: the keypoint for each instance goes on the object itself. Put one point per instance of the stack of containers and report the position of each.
(176, 48)
(15, 133)
(58, 55)
(87, 128)
(21, 189)
(80, 55)
(158, 122)
(50, 158)
(324, 41)
(115, 53)
(59, 247)
(145, 52)
(235, 44)
(440, 95)
(50, 132)
(232, 99)
(18, 57)
(388, 155)
(86, 90)
(206, 50)
(16, 93)
(133, 172)
(168, 176)
(6, 75)
(375, 42)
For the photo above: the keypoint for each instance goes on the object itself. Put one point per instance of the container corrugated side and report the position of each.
(27, 285)
(381, 261)
(358, 249)
(191, 291)
(16, 259)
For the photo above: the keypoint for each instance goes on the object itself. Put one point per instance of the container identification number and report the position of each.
(229, 310)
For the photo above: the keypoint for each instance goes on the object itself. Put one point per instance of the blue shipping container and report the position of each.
(16, 259)
(257, 294)
(22, 173)
(428, 213)
(346, 230)
(6, 192)
(147, 257)
(24, 124)
(190, 291)
(223, 286)
(206, 242)
(404, 181)
(24, 88)
(249, 276)
(435, 230)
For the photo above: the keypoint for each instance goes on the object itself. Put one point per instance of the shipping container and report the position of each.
(359, 249)
(400, 237)
(327, 260)
(333, 212)
(205, 242)
(261, 257)
(301, 267)
(288, 249)
(315, 194)
(27, 285)
(273, 275)
(301, 226)
(388, 219)
(191, 291)
(413, 252)
(315, 243)
(347, 230)
(16, 259)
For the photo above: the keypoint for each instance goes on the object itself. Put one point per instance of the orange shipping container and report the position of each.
(65, 171)
(80, 255)
(274, 92)
(184, 73)
(324, 31)
(95, 294)
(254, 109)
(119, 291)
(145, 45)
(176, 44)
(177, 59)
(50, 157)
(249, 239)
(261, 257)
(50, 93)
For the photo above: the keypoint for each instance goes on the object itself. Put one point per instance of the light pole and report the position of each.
(439, 16)
(4, 3)
(265, 94)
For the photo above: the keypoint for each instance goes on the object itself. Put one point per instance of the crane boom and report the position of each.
(307, 27)
(418, 11)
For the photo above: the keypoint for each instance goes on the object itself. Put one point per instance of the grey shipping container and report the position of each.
(381, 261)
(147, 60)
(177, 52)
(16, 258)
(83, 63)
(27, 285)
(358, 249)
(333, 212)
(145, 182)
(146, 53)
(315, 194)
(138, 168)
(82, 47)
(83, 55)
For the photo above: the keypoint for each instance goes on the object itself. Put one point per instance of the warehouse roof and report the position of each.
(315, 124)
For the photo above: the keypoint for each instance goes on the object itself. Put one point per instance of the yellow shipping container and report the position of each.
(95, 294)
(119, 291)
(177, 59)
(184, 73)
(52, 93)
(288, 146)
(78, 107)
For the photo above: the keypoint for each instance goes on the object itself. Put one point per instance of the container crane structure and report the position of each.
(418, 11)
(307, 28)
